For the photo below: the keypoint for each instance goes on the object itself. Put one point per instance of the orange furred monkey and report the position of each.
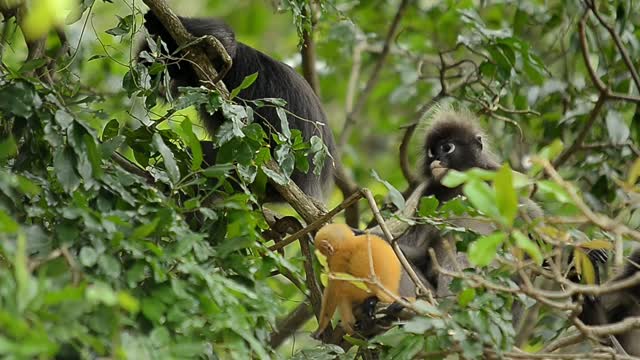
(348, 253)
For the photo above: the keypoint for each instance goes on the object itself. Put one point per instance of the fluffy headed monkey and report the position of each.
(453, 141)
(355, 255)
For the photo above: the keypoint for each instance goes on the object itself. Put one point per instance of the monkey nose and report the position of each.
(438, 169)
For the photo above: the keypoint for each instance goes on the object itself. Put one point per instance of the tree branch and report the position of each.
(350, 122)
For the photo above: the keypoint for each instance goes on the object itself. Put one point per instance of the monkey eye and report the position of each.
(429, 153)
(448, 148)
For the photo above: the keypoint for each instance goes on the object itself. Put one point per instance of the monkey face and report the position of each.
(453, 153)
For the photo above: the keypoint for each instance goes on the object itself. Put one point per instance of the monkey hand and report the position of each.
(325, 247)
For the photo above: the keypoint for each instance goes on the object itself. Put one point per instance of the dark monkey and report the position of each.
(452, 141)
(275, 80)
(616, 306)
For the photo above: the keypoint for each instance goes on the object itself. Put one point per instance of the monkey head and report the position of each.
(454, 141)
(329, 237)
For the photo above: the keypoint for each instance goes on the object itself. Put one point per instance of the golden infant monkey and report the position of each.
(348, 253)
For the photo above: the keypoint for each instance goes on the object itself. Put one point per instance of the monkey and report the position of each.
(348, 253)
(275, 80)
(453, 140)
(616, 306)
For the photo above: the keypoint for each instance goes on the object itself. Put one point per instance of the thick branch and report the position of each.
(577, 143)
(308, 52)
(203, 67)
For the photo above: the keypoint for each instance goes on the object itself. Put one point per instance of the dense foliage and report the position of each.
(116, 240)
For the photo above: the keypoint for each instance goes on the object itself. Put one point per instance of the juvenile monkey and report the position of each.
(348, 253)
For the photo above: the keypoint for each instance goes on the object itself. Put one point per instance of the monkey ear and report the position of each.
(479, 140)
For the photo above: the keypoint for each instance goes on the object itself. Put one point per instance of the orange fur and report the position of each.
(348, 253)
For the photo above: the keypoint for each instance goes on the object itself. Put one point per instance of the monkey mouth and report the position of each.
(438, 170)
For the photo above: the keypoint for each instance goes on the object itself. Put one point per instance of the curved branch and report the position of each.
(350, 122)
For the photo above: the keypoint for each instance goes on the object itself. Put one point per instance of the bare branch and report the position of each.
(616, 39)
(422, 289)
(373, 78)
(593, 116)
(318, 222)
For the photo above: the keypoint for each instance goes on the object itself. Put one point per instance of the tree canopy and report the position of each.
(117, 240)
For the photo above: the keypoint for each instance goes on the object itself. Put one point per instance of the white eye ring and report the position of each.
(452, 148)
(429, 153)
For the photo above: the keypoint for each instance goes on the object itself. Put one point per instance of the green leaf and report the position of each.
(7, 224)
(218, 170)
(279, 178)
(101, 293)
(88, 256)
(554, 190)
(617, 128)
(454, 178)
(284, 124)
(466, 296)
(506, 196)
(584, 266)
(169, 161)
(128, 302)
(64, 164)
(8, 148)
(144, 230)
(531, 248)
(482, 197)
(396, 196)
(246, 82)
(482, 251)
(428, 206)
(549, 153)
(194, 144)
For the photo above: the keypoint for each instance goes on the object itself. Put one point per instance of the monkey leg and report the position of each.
(328, 308)
(346, 315)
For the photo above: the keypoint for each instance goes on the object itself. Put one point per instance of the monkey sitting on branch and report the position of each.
(365, 257)
(453, 141)
(275, 80)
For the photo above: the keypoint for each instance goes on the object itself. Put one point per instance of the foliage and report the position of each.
(118, 240)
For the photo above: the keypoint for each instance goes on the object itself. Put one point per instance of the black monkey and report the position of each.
(275, 80)
(616, 306)
(452, 141)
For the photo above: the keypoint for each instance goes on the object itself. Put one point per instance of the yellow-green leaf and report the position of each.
(506, 197)
(584, 266)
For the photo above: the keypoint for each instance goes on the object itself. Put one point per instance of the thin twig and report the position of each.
(350, 121)
(601, 221)
(316, 224)
(422, 289)
(616, 39)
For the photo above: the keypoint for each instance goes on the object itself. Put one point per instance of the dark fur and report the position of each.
(617, 306)
(275, 80)
(460, 129)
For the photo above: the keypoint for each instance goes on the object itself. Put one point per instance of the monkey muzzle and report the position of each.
(438, 170)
